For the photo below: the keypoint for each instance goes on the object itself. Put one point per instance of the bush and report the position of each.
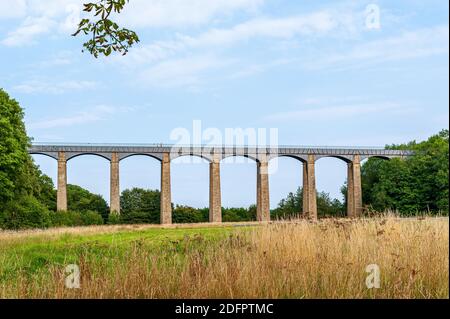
(72, 218)
(91, 218)
(186, 214)
(27, 212)
(113, 219)
(63, 218)
(139, 217)
(238, 214)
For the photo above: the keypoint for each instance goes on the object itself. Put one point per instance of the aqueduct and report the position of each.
(165, 153)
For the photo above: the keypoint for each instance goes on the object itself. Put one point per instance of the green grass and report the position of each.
(32, 254)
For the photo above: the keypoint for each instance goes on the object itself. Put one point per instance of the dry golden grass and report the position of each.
(298, 259)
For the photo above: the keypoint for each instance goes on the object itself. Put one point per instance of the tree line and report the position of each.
(416, 185)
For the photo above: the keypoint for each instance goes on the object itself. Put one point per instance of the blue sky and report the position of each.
(314, 70)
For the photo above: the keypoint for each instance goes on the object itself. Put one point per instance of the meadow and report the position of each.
(296, 259)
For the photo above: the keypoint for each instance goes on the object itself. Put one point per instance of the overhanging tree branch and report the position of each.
(107, 36)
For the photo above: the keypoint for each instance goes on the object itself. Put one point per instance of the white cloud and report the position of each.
(41, 86)
(181, 72)
(279, 28)
(58, 16)
(12, 9)
(173, 69)
(40, 17)
(176, 13)
(255, 69)
(339, 111)
(28, 30)
(97, 113)
(58, 59)
(411, 44)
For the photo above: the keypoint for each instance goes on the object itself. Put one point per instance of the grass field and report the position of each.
(298, 259)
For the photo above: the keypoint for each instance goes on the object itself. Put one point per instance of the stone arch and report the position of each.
(345, 158)
(300, 158)
(70, 156)
(51, 155)
(202, 156)
(90, 172)
(125, 156)
(386, 158)
(337, 171)
(189, 181)
(248, 156)
(234, 173)
(297, 172)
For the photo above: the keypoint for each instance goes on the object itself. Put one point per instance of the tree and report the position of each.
(187, 214)
(292, 206)
(45, 191)
(81, 200)
(106, 35)
(239, 214)
(139, 205)
(15, 162)
(413, 185)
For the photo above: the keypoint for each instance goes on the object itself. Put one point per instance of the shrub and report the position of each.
(114, 219)
(72, 218)
(27, 212)
(139, 217)
(91, 218)
(65, 218)
(186, 214)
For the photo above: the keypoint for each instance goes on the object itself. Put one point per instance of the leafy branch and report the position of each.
(107, 36)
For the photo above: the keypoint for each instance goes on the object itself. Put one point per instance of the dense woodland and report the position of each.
(416, 185)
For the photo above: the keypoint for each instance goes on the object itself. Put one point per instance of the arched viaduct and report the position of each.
(214, 155)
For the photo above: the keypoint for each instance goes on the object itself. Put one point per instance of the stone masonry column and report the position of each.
(312, 196)
(166, 197)
(114, 185)
(215, 197)
(61, 201)
(350, 191)
(357, 190)
(305, 189)
(262, 202)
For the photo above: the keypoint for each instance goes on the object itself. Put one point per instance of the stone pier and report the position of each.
(166, 197)
(61, 195)
(350, 190)
(262, 190)
(114, 185)
(215, 197)
(310, 193)
(305, 197)
(354, 191)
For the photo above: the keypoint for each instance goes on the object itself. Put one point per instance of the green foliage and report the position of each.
(73, 218)
(239, 214)
(107, 36)
(27, 212)
(113, 219)
(80, 199)
(292, 206)
(186, 214)
(14, 159)
(139, 205)
(414, 185)
(47, 191)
